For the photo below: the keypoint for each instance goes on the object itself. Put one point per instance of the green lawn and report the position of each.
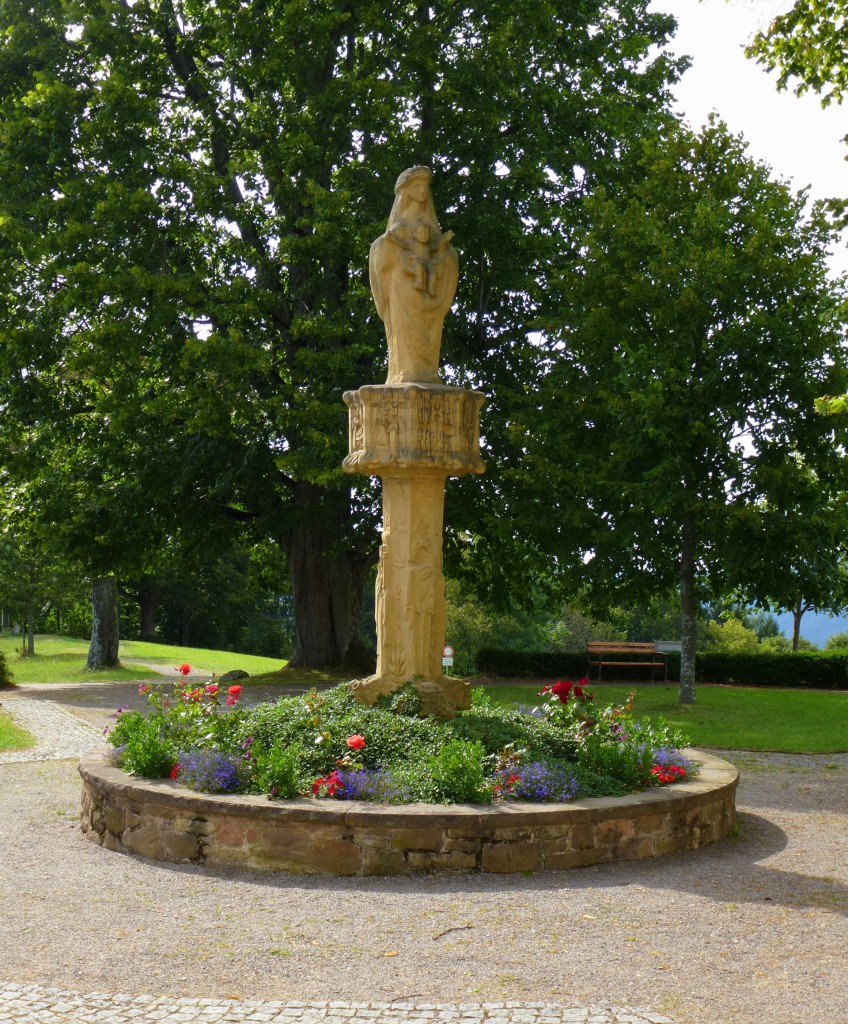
(735, 717)
(62, 660)
(11, 737)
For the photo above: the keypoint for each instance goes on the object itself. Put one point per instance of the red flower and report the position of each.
(545, 689)
(211, 689)
(584, 681)
(175, 770)
(185, 669)
(356, 742)
(331, 784)
(144, 688)
(562, 689)
(231, 701)
(578, 691)
(234, 691)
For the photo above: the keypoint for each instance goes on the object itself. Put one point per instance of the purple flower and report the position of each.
(373, 784)
(210, 771)
(537, 782)
(669, 756)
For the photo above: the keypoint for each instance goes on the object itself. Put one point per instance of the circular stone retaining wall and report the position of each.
(166, 821)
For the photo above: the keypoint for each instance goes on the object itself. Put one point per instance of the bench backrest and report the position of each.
(619, 647)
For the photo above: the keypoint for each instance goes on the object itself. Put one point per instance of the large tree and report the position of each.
(188, 192)
(692, 340)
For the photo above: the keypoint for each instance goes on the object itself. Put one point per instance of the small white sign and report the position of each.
(447, 662)
(447, 651)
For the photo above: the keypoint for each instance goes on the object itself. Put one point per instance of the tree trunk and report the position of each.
(327, 588)
(105, 633)
(689, 612)
(149, 602)
(797, 614)
(30, 629)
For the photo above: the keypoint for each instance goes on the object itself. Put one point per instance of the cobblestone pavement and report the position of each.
(61, 734)
(32, 1004)
(58, 733)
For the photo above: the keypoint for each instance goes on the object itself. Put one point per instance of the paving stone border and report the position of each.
(165, 821)
(58, 733)
(34, 1004)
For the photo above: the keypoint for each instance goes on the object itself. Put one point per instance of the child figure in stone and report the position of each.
(422, 260)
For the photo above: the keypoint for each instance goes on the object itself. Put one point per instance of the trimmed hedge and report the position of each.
(817, 670)
(531, 664)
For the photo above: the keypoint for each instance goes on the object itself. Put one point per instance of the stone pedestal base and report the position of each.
(440, 698)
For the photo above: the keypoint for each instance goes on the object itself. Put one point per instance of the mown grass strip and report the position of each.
(730, 717)
(62, 660)
(12, 737)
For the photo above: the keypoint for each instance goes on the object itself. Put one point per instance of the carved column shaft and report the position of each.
(410, 584)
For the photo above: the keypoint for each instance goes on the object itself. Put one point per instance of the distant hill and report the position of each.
(815, 626)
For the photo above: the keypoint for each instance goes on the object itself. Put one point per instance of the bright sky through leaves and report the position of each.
(798, 138)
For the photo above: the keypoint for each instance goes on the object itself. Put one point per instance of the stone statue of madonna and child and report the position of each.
(414, 271)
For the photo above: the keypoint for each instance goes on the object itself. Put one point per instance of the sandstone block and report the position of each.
(145, 840)
(180, 846)
(503, 857)
(113, 819)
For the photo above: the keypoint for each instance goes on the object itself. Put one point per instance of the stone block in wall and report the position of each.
(145, 840)
(500, 857)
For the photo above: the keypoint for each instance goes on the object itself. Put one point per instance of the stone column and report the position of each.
(413, 436)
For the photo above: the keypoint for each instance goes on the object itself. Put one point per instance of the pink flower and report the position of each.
(231, 701)
(144, 688)
(211, 689)
(356, 742)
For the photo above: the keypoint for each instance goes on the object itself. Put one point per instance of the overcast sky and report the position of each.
(798, 138)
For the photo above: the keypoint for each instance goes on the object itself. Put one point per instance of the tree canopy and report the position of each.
(692, 338)
(807, 45)
(187, 196)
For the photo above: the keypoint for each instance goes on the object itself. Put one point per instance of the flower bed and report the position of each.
(330, 747)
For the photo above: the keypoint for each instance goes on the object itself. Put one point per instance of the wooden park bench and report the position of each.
(619, 653)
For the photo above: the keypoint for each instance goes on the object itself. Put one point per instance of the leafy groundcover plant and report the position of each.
(328, 746)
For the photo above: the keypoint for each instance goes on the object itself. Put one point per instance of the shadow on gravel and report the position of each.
(728, 873)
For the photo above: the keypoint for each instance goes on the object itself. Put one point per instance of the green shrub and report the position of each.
(624, 763)
(146, 752)
(279, 771)
(837, 641)
(5, 671)
(458, 774)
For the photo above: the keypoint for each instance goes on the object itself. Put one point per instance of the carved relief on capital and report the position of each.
(431, 428)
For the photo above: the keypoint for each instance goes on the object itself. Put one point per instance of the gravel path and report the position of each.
(750, 931)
